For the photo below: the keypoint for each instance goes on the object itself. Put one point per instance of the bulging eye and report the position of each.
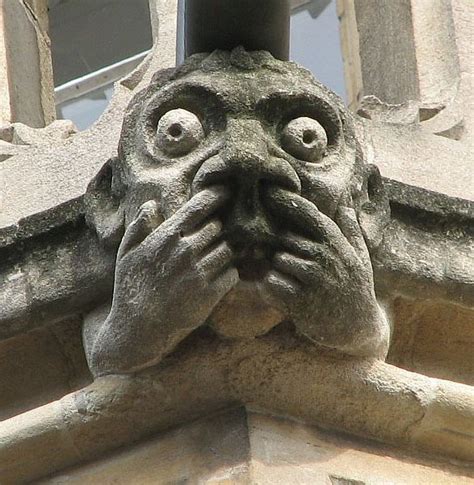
(305, 138)
(178, 132)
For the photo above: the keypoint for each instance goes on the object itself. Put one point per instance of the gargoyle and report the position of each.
(239, 199)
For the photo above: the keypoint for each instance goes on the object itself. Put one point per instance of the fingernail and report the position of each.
(148, 209)
(149, 205)
(150, 214)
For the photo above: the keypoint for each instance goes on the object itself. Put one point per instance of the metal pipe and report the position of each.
(225, 24)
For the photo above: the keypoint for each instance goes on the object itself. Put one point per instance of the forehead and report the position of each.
(243, 90)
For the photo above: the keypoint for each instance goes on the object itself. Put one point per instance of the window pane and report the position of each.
(315, 42)
(87, 35)
(86, 109)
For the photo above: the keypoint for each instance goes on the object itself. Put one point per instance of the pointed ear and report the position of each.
(373, 207)
(103, 204)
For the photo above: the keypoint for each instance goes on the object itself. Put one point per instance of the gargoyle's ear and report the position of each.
(104, 211)
(373, 207)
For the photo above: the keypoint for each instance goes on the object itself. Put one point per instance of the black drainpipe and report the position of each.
(225, 24)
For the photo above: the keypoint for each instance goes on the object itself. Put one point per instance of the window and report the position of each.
(94, 43)
(97, 42)
(315, 42)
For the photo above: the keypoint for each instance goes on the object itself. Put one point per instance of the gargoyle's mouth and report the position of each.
(254, 242)
(253, 263)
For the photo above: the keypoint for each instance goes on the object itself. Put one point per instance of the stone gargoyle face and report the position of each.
(284, 149)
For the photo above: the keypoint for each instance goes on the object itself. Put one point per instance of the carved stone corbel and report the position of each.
(237, 171)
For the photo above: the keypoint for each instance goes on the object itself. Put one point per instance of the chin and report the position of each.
(244, 313)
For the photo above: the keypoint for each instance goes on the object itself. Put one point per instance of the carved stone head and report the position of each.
(253, 124)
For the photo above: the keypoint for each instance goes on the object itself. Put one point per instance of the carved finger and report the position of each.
(192, 215)
(303, 214)
(204, 237)
(346, 218)
(213, 264)
(301, 245)
(280, 288)
(223, 284)
(306, 272)
(147, 220)
(199, 208)
(213, 171)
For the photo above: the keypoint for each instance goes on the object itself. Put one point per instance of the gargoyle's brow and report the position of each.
(304, 103)
(192, 87)
(306, 98)
(177, 91)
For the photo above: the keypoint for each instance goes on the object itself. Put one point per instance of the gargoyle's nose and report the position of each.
(245, 162)
(246, 165)
(248, 161)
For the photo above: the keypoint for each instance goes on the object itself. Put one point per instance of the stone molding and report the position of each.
(392, 405)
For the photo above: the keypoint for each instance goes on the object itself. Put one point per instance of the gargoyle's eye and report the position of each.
(178, 132)
(304, 138)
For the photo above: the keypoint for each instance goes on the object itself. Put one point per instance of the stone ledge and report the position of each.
(243, 447)
(369, 399)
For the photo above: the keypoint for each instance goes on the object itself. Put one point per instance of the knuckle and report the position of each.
(201, 276)
(280, 257)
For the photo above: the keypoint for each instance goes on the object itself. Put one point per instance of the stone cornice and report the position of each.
(370, 399)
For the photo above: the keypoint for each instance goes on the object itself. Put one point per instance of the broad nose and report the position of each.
(245, 162)
(245, 165)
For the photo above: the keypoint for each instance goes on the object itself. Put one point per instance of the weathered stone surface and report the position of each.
(427, 256)
(215, 186)
(463, 13)
(50, 278)
(26, 82)
(163, 15)
(426, 160)
(369, 399)
(414, 260)
(388, 59)
(213, 450)
(16, 137)
(433, 339)
(56, 131)
(287, 452)
(57, 175)
(426, 46)
(244, 447)
(41, 366)
(53, 266)
(58, 197)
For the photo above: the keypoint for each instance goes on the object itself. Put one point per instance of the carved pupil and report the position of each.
(309, 137)
(175, 130)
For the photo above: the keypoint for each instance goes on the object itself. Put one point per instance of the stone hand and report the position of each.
(322, 277)
(168, 280)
